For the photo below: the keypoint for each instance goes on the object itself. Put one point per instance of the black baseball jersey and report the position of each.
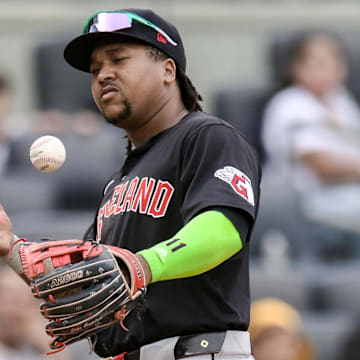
(201, 162)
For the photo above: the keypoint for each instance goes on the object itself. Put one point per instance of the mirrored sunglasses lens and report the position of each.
(110, 22)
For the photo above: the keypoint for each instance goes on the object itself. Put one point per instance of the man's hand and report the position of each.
(6, 234)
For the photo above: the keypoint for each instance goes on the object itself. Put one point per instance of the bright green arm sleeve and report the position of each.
(205, 242)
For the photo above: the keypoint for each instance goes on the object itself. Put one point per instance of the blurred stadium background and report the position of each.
(235, 52)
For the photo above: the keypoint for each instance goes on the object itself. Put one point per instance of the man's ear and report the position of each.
(169, 71)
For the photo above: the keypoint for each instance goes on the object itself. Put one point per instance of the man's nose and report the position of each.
(106, 74)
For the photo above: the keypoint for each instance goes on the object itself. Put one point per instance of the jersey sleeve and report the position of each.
(219, 168)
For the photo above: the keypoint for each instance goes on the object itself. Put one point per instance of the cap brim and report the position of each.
(78, 52)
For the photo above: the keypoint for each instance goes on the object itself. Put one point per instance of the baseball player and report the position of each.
(180, 209)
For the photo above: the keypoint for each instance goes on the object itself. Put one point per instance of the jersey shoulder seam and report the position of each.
(217, 122)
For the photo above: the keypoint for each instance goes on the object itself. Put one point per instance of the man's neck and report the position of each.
(162, 120)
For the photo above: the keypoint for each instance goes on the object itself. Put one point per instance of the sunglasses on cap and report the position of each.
(110, 21)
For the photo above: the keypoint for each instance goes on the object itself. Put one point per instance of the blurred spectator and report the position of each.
(311, 132)
(5, 108)
(310, 126)
(275, 330)
(270, 312)
(22, 328)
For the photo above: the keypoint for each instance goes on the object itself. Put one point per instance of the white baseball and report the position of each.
(47, 153)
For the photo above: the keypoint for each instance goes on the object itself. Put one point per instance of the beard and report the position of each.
(123, 115)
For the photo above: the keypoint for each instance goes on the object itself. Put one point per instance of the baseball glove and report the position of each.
(85, 286)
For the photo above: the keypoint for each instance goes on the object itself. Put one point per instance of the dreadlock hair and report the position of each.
(189, 95)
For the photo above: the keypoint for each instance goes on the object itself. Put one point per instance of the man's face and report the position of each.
(127, 85)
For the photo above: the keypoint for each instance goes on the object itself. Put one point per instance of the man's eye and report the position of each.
(118, 60)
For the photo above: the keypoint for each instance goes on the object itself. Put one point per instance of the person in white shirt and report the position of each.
(311, 133)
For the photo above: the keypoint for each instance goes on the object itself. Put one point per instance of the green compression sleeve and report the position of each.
(205, 242)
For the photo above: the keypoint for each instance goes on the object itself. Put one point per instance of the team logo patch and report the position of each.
(239, 182)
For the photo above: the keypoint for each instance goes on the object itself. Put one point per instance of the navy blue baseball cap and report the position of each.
(138, 24)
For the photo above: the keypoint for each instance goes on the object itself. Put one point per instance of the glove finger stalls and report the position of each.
(67, 277)
(86, 300)
(89, 321)
(61, 341)
(78, 329)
